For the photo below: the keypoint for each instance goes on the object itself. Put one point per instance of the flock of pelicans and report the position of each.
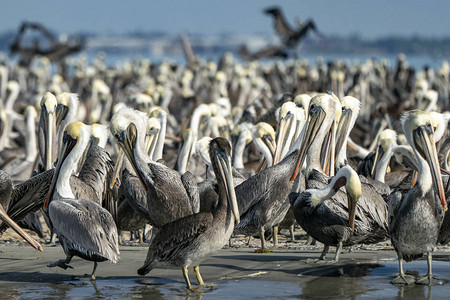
(354, 153)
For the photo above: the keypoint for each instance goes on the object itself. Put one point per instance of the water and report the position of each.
(355, 280)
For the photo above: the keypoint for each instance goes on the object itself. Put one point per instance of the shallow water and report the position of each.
(358, 280)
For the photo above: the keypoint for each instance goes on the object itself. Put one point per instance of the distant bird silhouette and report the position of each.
(289, 36)
(268, 52)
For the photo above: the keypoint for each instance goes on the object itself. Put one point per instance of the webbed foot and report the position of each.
(430, 281)
(404, 279)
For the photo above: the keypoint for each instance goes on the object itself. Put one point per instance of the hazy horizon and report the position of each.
(368, 19)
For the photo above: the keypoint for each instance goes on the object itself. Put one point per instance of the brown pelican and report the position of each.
(167, 198)
(416, 217)
(190, 240)
(326, 215)
(6, 190)
(84, 228)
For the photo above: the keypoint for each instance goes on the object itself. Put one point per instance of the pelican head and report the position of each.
(127, 127)
(321, 114)
(202, 148)
(66, 102)
(100, 134)
(354, 190)
(386, 139)
(220, 153)
(302, 101)
(418, 128)
(264, 139)
(429, 100)
(286, 116)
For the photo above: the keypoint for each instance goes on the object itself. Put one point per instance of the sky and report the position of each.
(369, 19)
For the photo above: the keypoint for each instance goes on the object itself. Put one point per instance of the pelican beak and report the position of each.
(68, 143)
(150, 141)
(49, 123)
(8, 221)
(60, 114)
(269, 142)
(378, 155)
(117, 167)
(424, 142)
(285, 123)
(328, 151)
(351, 202)
(127, 140)
(315, 120)
(226, 172)
(342, 129)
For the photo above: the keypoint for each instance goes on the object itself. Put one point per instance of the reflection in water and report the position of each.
(346, 284)
(414, 292)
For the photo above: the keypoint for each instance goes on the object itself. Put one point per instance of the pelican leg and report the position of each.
(263, 241)
(402, 278)
(291, 231)
(62, 263)
(52, 238)
(198, 275)
(275, 236)
(140, 233)
(324, 252)
(93, 271)
(201, 283)
(338, 251)
(186, 277)
(428, 279)
(249, 240)
(310, 241)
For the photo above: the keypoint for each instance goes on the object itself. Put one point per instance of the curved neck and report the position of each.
(318, 196)
(383, 163)
(68, 166)
(11, 99)
(424, 179)
(264, 150)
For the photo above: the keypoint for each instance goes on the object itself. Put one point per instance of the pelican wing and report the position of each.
(87, 226)
(190, 185)
(176, 236)
(134, 193)
(28, 196)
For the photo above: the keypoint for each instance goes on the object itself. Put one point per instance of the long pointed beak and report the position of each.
(342, 129)
(424, 142)
(128, 143)
(351, 211)
(314, 123)
(151, 140)
(49, 122)
(378, 154)
(225, 169)
(328, 151)
(117, 167)
(8, 221)
(282, 129)
(60, 114)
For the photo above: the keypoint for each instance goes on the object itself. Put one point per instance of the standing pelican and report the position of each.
(416, 217)
(84, 228)
(190, 240)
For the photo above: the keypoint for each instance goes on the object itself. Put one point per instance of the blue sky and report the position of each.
(370, 19)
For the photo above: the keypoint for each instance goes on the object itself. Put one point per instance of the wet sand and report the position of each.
(289, 272)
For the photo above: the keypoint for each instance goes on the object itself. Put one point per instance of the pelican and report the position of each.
(416, 216)
(190, 240)
(372, 209)
(167, 198)
(46, 129)
(84, 228)
(6, 190)
(324, 214)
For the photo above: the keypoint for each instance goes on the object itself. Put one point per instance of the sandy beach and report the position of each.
(291, 271)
